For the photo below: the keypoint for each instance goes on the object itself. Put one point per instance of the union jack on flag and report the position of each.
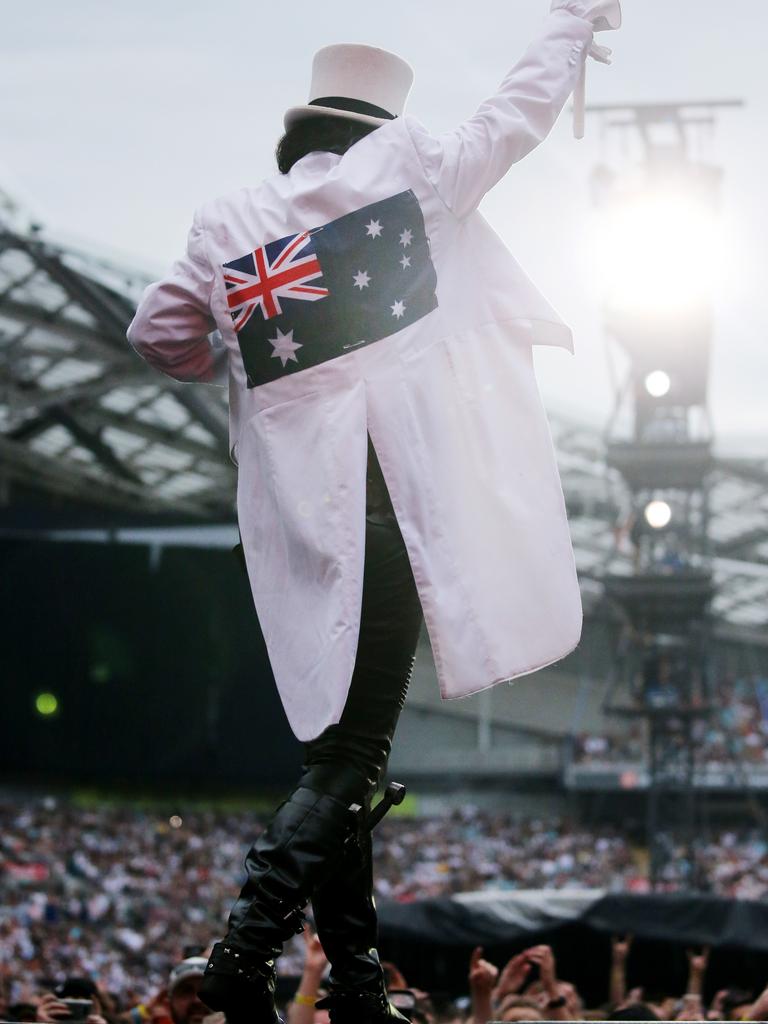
(279, 269)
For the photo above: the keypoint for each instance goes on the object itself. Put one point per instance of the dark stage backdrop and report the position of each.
(431, 940)
(160, 671)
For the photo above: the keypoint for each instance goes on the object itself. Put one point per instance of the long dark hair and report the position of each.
(322, 133)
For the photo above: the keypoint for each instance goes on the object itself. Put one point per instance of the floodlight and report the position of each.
(657, 514)
(657, 383)
(658, 253)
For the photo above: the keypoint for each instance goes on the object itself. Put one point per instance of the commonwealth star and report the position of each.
(284, 347)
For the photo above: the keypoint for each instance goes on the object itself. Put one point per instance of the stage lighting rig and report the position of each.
(661, 246)
(659, 256)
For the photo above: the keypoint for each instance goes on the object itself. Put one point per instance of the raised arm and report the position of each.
(465, 163)
(619, 952)
(173, 326)
(482, 978)
(302, 1009)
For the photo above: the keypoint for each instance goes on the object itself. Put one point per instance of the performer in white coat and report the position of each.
(393, 454)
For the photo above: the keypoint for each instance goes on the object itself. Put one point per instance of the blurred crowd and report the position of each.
(117, 896)
(733, 864)
(733, 737)
(472, 849)
(738, 730)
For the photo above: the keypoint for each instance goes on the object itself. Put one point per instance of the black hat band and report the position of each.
(353, 106)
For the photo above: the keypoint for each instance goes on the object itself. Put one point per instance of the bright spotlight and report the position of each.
(658, 253)
(657, 383)
(46, 704)
(657, 514)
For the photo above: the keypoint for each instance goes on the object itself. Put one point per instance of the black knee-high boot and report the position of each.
(300, 846)
(345, 917)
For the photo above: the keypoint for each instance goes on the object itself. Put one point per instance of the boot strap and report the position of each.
(353, 1000)
(228, 959)
(284, 914)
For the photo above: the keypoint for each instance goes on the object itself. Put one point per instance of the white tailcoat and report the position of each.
(451, 404)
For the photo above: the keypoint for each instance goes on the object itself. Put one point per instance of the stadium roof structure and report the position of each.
(81, 414)
(85, 420)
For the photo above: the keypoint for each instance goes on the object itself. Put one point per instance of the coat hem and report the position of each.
(515, 675)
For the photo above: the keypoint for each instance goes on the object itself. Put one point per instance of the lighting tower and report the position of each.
(659, 243)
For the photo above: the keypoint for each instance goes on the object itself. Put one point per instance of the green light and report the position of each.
(46, 704)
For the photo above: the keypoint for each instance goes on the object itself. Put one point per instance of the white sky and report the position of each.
(117, 119)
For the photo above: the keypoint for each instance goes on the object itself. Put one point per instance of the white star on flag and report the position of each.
(361, 279)
(373, 229)
(398, 309)
(405, 238)
(284, 347)
(405, 262)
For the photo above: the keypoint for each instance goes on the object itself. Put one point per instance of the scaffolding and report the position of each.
(659, 442)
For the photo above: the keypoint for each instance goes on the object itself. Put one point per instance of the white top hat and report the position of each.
(357, 82)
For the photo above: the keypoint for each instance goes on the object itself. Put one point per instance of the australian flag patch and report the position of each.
(318, 294)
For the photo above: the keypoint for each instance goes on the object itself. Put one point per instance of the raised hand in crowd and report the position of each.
(697, 968)
(691, 1007)
(302, 1009)
(620, 947)
(551, 993)
(715, 1011)
(483, 976)
(100, 1014)
(51, 1009)
(512, 978)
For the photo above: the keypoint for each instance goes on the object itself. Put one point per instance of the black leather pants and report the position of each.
(349, 759)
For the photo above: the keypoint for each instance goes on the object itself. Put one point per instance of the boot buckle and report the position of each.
(283, 912)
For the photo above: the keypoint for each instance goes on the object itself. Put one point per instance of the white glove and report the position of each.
(604, 14)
